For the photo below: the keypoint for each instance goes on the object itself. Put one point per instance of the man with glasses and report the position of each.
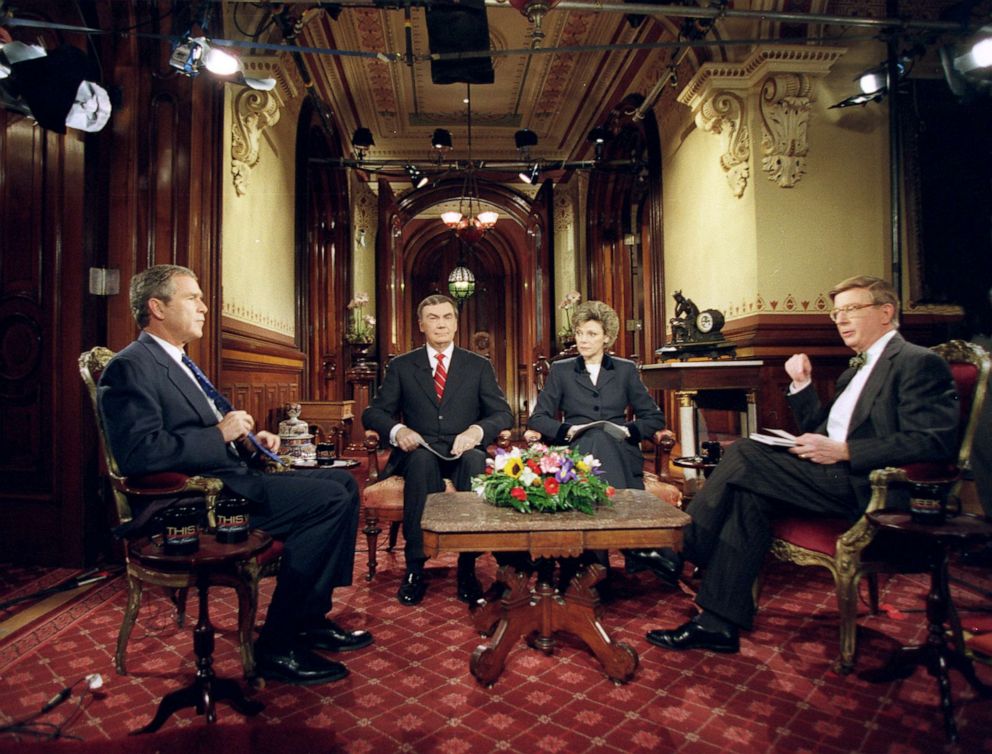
(895, 405)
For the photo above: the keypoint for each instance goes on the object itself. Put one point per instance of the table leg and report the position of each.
(206, 689)
(517, 617)
(538, 614)
(579, 614)
(935, 655)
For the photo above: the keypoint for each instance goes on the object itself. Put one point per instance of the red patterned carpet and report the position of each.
(412, 691)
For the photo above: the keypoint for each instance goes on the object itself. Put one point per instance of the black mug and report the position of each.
(711, 451)
(928, 503)
(325, 453)
(181, 529)
(232, 520)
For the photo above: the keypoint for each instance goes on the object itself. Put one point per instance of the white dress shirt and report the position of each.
(840, 413)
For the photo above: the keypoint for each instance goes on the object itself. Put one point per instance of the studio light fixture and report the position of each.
(525, 139)
(362, 141)
(418, 179)
(530, 176)
(874, 83)
(441, 139)
(195, 53)
(599, 136)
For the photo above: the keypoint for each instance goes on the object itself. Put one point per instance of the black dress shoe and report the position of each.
(412, 590)
(469, 589)
(665, 567)
(329, 636)
(693, 636)
(297, 665)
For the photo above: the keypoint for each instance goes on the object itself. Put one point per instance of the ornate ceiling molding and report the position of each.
(779, 81)
(254, 111)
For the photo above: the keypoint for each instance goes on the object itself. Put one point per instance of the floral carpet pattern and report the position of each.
(412, 690)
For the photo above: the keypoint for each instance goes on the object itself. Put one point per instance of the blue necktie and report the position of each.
(224, 406)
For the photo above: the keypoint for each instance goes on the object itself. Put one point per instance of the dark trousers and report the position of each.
(730, 533)
(314, 512)
(424, 473)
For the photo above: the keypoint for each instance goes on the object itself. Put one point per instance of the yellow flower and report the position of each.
(513, 467)
(582, 466)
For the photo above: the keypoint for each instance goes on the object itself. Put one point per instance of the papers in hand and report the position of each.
(423, 444)
(613, 430)
(777, 437)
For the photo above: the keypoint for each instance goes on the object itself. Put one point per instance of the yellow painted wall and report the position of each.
(781, 249)
(258, 244)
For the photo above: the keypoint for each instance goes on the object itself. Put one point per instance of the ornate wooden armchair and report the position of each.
(844, 549)
(382, 502)
(151, 487)
(659, 483)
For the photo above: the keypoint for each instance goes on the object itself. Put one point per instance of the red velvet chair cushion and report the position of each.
(816, 534)
(163, 482)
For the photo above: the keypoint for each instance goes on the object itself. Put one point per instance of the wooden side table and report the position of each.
(935, 654)
(206, 689)
(464, 522)
(692, 380)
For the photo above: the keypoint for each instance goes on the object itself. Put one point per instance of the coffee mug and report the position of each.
(325, 453)
(711, 451)
(928, 503)
(181, 529)
(232, 520)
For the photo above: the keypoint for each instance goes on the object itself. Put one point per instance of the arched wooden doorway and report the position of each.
(512, 299)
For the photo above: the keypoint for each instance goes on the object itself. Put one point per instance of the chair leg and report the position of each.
(873, 593)
(247, 590)
(372, 532)
(178, 597)
(847, 607)
(394, 532)
(130, 616)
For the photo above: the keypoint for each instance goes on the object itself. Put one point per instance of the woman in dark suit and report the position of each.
(597, 387)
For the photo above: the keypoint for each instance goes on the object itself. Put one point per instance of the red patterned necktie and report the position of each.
(440, 376)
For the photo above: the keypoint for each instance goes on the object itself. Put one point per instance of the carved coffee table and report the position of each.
(464, 522)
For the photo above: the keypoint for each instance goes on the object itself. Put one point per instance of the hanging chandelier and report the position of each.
(470, 221)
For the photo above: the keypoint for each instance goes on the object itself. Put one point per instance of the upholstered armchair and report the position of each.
(382, 501)
(850, 552)
(147, 488)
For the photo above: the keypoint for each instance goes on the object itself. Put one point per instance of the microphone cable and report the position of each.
(29, 726)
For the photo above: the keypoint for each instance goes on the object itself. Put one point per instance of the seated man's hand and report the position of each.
(235, 425)
(800, 370)
(820, 449)
(467, 440)
(407, 440)
(268, 441)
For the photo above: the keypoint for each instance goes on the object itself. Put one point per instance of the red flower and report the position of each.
(490, 470)
(533, 466)
(611, 491)
(519, 493)
(551, 485)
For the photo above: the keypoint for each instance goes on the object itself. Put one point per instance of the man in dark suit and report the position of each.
(447, 398)
(158, 417)
(895, 405)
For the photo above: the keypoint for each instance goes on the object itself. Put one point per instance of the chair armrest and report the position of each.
(664, 444)
(371, 444)
(880, 480)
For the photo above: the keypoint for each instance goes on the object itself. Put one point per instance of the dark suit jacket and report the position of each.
(471, 396)
(570, 392)
(907, 412)
(158, 419)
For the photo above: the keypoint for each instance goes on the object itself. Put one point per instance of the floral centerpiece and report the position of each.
(361, 327)
(543, 479)
(567, 305)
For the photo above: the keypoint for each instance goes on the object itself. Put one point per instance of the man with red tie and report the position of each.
(446, 398)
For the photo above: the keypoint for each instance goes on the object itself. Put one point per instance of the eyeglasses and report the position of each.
(848, 310)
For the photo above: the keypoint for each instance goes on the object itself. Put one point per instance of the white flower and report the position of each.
(591, 461)
(527, 476)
